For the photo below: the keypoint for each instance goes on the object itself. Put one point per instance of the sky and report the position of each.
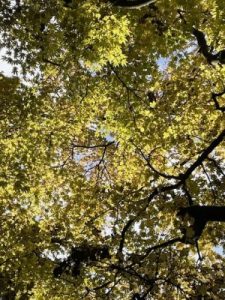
(5, 68)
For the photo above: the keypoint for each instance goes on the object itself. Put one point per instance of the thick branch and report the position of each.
(126, 227)
(203, 156)
(133, 4)
(205, 50)
(201, 215)
(207, 213)
(214, 98)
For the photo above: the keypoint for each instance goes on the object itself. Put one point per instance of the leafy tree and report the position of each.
(112, 131)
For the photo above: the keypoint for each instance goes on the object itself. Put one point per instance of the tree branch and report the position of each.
(214, 98)
(152, 168)
(203, 156)
(205, 50)
(183, 177)
(133, 4)
(202, 215)
(92, 146)
(51, 62)
(216, 164)
(163, 245)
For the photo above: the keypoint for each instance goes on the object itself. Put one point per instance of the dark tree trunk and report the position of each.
(202, 215)
(207, 213)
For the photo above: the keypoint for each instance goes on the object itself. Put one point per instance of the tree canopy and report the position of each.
(112, 132)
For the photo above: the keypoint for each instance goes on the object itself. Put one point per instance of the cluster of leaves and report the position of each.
(79, 256)
(113, 122)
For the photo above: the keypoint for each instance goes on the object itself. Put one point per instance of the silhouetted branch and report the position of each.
(216, 165)
(163, 245)
(124, 84)
(198, 251)
(183, 177)
(202, 215)
(51, 62)
(203, 156)
(205, 50)
(214, 98)
(151, 167)
(187, 193)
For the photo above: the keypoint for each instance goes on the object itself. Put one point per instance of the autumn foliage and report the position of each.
(112, 130)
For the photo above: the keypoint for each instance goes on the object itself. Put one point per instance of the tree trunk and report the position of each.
(202, 215)
(207, 213)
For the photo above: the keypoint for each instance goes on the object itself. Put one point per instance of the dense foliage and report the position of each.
(112, 149)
